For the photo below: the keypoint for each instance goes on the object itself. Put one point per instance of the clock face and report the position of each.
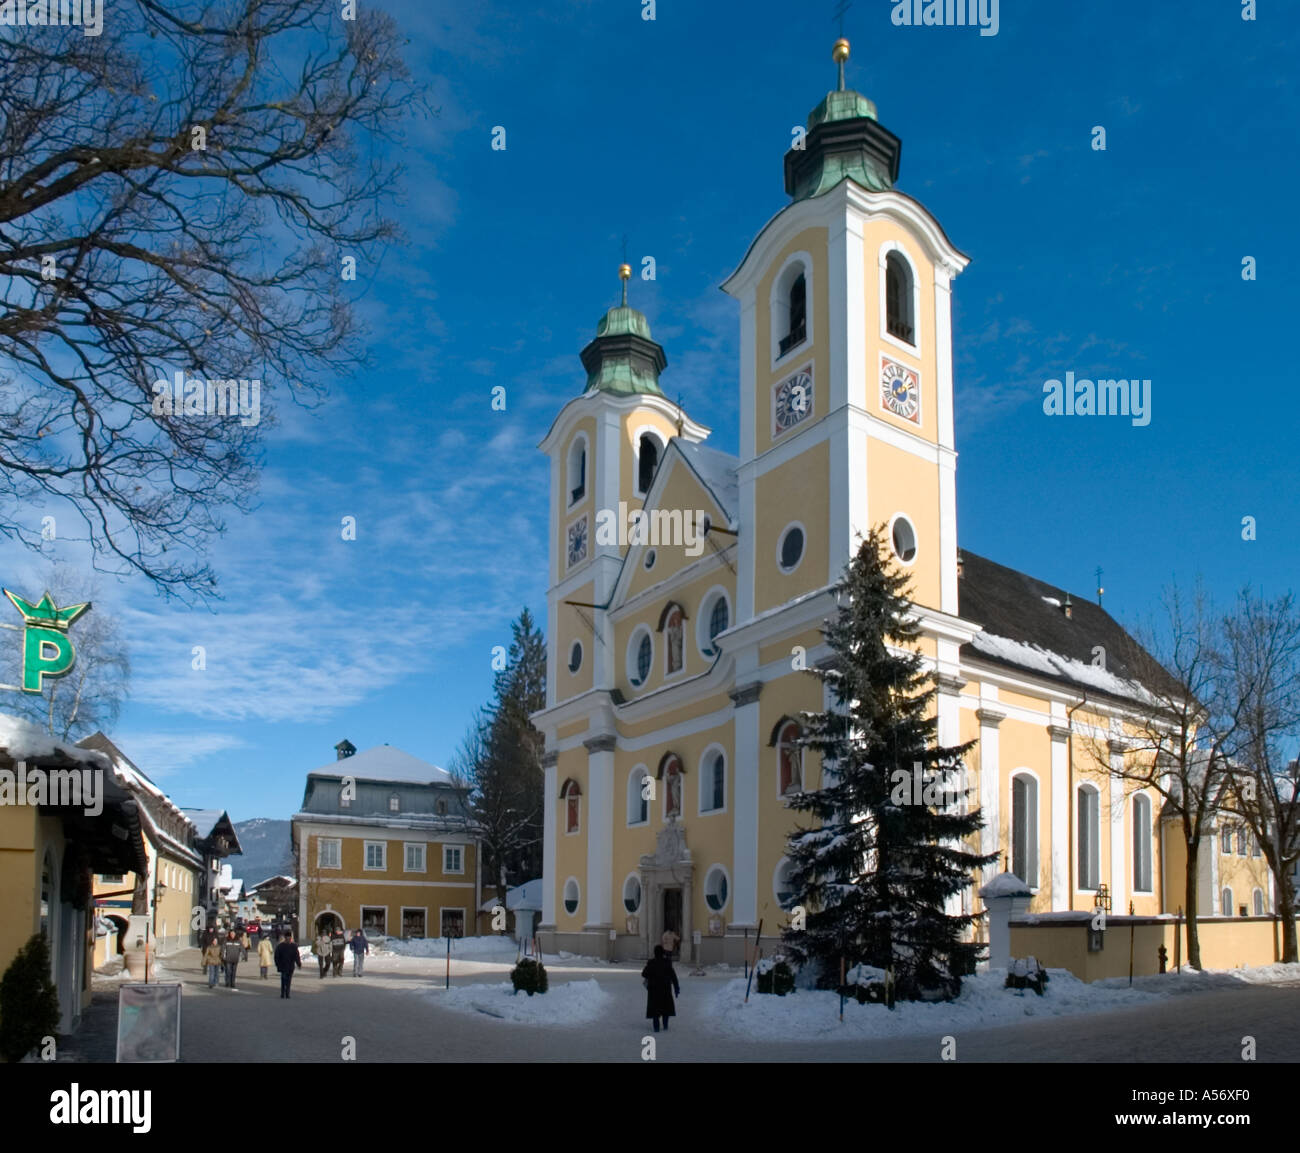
(900, 390)
(578, 541)
(792, 401)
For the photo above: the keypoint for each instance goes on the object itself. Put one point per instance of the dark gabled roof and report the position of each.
(1028, 612)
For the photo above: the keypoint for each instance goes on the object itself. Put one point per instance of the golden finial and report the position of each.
(839, 54)
(624, 274)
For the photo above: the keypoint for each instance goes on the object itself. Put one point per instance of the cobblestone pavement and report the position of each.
(389, 1019)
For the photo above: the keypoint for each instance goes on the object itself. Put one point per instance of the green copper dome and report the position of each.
(623, 359)
(621, 320)
(845, 141)
(842, 105)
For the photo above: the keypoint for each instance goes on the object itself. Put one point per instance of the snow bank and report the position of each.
(570, 1003)
(809, 1015)
(464, 947)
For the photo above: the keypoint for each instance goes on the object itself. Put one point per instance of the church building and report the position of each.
(688, 588)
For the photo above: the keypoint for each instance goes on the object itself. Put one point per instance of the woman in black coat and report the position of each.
(661, 984)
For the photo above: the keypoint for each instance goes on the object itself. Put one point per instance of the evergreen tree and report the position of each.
(500, 763)
(887, 850)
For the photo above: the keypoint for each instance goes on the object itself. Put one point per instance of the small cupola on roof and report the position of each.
(623, 359)
(844, 140)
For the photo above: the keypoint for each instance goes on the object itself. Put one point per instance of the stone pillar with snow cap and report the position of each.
(1004, 896)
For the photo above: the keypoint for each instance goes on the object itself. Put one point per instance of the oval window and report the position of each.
(903, 538)
(575, 657)
(791, 550)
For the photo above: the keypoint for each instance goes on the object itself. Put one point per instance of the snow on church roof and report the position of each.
(385, 763)
(717, 472)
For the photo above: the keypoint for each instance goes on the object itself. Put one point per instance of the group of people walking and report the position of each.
(222, 956)
(331, 950)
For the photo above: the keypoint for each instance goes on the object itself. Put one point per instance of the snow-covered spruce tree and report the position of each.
(887, 850)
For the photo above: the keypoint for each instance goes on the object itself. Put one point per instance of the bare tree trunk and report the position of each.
(1193, 937)
(1286, 910)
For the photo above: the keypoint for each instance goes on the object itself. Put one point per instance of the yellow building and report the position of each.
(384, 843)
(51, 845)
(687, 589)
(172, 880)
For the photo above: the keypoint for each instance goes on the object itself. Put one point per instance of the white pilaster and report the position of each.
(1118, 872)
(1062, 866)
(548, 842)
(600, 831)
(748, 745)
(990, 787)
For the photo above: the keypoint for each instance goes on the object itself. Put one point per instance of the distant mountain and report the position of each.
(267, 850)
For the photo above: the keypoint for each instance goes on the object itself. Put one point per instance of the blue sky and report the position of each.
(1119, 263)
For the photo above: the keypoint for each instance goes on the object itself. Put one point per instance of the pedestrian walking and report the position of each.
(661, 984)
(230, 954)
(286, 960)
(360, 948)
(338, 948)
(670, 940)
(265, 954)
(321, 948)
(212, 960)
(245, 942)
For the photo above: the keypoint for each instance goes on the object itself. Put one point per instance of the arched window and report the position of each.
(638, 804)
(640, 656)
(670, 772)
(715, 618)
(571, 795)
(671, 622)
(1024, 828)
(789, 757)
(899, 319)
(1259, 902)
(1241, 840)
(648, 449)
(577, 469)
(790, 307)
(783, 887)
(1225, 902)
(713, 781)
(1142, 843)
(1089, 836)
(1225, 839)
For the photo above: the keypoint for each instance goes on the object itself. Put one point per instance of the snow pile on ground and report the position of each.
(1190, 981)
(570, 1003)
(984, 1003)
(463, 947)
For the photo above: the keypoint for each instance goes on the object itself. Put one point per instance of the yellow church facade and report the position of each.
(688, 589)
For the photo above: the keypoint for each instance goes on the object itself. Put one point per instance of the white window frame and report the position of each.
(337, 842)
(641, 630)
(1035, 861)
(365, 857)
(916, 536)
(404, 909)
(565, 797)
(361, 918)
(912, 350)
(407, 846)
(1094, 855)
(1143, 825)
(394, 803)
(783, 863)
(780, 541)
(1258, 906)
(706, 786)
(1225, 834)
(707, 603)
(638, 773)
(1225, 901)
(712, 871)
(464, 918)
(569, 502)
(779, 308)
(640, 898)
(564, 899)
(658, 437)
(457, 848)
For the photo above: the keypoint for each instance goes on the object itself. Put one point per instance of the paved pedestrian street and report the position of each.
(393, 1014)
